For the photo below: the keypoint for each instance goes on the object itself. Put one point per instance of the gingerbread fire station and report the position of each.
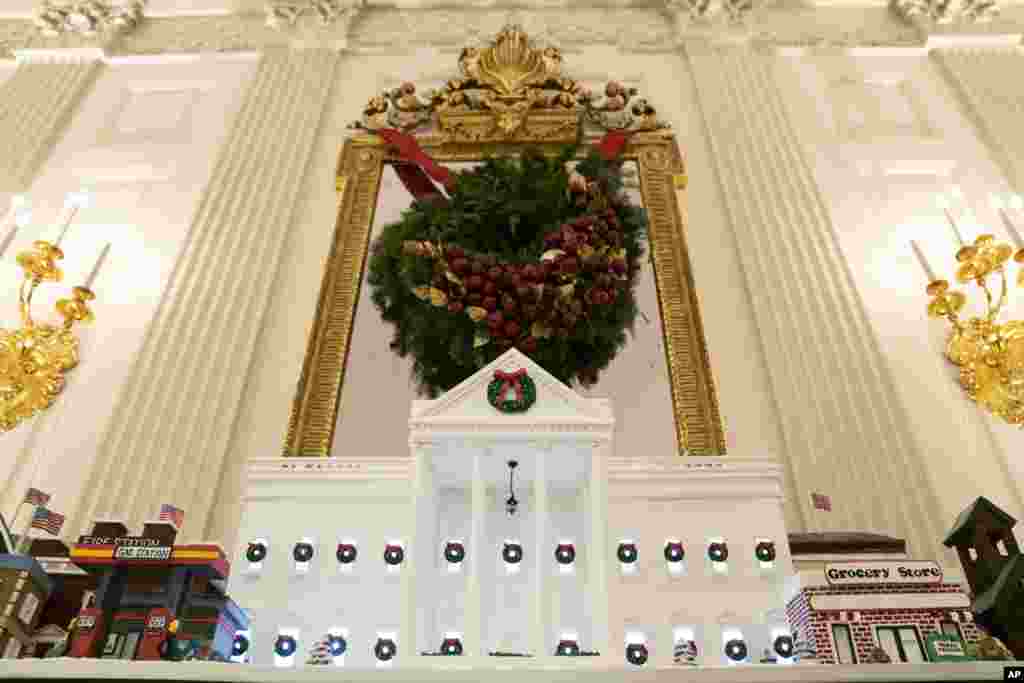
(144, 584)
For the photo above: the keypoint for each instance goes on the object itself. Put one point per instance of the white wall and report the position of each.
(144, 140)
(886, 134)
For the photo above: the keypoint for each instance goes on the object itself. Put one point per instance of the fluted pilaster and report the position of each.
(598, 553)
(167, 440)
(844, 428)
(36, 103)
(421, 544)
(988, 81)
(474, 634)
(541, 564)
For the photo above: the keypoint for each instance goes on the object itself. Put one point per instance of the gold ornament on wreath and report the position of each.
(988, 351)
(510, 89)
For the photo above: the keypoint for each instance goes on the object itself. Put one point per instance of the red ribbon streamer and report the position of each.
(418, 175)
(410, 150)
(511, 380)
(612, 143)
(416, 182)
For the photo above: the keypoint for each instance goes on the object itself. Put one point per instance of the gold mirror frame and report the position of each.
(317, 401)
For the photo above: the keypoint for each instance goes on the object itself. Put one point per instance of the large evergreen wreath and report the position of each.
(524, 253)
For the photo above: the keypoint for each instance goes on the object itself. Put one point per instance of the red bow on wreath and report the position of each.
(420, 173)
(511, 380)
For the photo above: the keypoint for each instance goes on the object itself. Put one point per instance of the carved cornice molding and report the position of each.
(731, 11)
(946, 11)
(283, 14)
(88, 17)
(630, 28)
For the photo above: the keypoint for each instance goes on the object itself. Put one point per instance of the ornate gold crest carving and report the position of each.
(510, 92)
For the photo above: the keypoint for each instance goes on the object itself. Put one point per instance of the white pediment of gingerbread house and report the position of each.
(556, 408)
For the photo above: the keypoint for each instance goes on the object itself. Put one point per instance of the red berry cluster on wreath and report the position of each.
(584, 267)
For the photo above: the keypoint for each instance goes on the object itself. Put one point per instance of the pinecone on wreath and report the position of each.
(320, 653)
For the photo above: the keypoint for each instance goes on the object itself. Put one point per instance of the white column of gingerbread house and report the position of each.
(525, 600)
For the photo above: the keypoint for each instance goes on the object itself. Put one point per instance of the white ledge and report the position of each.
(513, 672)
(328, 468)
(76, 55)
(723, 466)
(938, 41)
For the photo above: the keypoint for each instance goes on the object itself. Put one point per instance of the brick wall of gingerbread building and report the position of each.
(818, 624)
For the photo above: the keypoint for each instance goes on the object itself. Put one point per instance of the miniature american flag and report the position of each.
(36, 497)
(169, 513)
(821, 502)
(48, 521)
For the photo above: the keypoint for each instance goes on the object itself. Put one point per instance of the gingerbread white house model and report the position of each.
(513, 534)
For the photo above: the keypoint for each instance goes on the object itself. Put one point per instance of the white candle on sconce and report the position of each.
(923, 261)
(943, 203)
(72, 203)
(96, 267)
(1011, 229)
(17, 217)
(8, 238)
(956, 230)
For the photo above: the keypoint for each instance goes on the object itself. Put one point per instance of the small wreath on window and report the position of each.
(674, 552)
(736, 650)
(256, 552)
(385, 649)
(627, 553)
(303, 552)
(565, 553)
(454, 552)
(512, 553)
(346, 553)
(284, 646)
(567, 648)
(636, 654)
(337, 645)
(451, 647)
(239, 646)
(765, 551)
(519, 383)
(393, 554)
(718, 552)
(783, 646)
